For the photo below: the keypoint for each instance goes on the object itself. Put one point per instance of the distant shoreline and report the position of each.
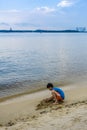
(42, 31)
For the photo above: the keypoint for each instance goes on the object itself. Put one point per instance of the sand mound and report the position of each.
(49, 104)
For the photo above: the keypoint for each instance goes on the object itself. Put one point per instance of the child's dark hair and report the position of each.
(49, 85)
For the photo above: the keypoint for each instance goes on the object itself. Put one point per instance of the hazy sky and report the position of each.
(43, 14)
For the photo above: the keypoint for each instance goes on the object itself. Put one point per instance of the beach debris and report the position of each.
(10, 123)
(42, 112)
(33, 117)
(1, 125)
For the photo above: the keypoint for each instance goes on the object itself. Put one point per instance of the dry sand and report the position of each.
(24, 113)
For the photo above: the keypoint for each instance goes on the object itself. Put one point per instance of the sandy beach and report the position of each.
(27, 112)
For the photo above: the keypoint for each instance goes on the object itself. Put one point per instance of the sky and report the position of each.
(43, 14)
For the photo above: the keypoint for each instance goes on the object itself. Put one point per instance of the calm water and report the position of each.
(30, 60)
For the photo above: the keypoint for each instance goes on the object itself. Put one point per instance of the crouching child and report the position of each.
(57, 94)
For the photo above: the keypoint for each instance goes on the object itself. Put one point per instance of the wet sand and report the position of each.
(29, 113)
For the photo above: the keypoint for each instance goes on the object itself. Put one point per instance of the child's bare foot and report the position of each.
(55, 103)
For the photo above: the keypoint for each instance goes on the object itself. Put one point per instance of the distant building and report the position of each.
(10, 29)
(81, 29)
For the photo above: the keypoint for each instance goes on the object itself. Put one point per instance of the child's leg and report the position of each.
(57, 97)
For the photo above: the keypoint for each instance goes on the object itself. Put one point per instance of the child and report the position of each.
(57, 93)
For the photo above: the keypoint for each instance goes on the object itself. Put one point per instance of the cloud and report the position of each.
(6, 24)
(65, 3)
(11, 16)
(45, 9)
(23, 19)
(10, 11)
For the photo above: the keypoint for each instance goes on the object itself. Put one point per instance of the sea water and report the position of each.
(31, 60)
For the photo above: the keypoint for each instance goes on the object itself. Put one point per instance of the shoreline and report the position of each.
(28, 90)
(22, 109)
(18, 95)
